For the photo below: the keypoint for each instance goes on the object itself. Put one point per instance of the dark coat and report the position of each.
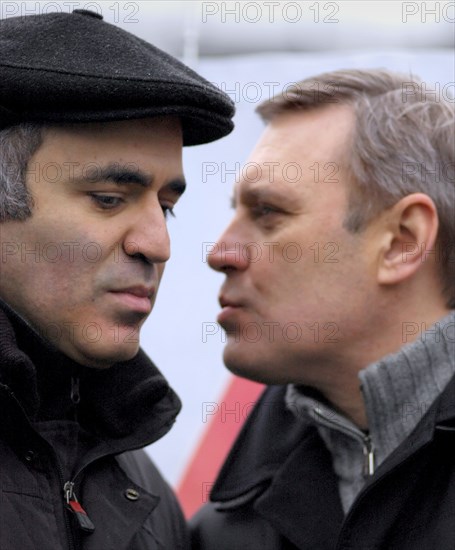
(121, 409)
(277, 489)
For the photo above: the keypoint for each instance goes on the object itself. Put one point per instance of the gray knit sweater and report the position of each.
(397, 390)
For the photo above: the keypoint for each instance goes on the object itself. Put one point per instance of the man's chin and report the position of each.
(105, 357)
(245, 365)
(259, 364)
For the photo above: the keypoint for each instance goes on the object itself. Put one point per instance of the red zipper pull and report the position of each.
(72, 504)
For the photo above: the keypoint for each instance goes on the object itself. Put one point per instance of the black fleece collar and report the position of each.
(130, 403)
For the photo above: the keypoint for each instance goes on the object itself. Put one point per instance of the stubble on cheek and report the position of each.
(59, 270)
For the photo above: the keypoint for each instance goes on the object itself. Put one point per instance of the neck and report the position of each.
(346, 394)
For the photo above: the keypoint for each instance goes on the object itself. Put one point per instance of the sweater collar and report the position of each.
(131, 401)
(398, 390)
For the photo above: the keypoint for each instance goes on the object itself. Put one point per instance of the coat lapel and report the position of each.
(302, 502)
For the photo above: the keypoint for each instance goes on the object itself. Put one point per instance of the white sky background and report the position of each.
(405, 36)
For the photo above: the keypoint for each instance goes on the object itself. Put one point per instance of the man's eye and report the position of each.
(106, 201)
(263, 210)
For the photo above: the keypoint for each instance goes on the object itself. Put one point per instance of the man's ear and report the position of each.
(409, 239)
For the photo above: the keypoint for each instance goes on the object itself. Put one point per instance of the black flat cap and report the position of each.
(61, 67)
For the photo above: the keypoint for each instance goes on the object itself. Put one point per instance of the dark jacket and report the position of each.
(64, 423)
(277, 489)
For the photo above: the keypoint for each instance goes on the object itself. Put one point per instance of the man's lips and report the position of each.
(137, 298)
(229, 308)
(139, 291)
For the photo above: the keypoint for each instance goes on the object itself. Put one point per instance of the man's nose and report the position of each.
(229, 253)
(148, 236)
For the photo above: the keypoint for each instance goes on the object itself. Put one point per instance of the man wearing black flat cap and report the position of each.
(92, 124)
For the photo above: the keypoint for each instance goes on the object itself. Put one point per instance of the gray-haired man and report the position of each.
(347, 312)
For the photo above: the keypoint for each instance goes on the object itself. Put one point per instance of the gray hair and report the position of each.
(403, 143)
(17, 146)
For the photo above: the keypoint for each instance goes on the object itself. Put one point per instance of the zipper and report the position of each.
(75, 395)
(69, 529)
(72, 504)
(364, 439)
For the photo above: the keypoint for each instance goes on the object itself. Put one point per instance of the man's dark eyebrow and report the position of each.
(127, 174)
(113, 173)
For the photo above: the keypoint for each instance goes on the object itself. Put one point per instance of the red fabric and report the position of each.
(224, 419)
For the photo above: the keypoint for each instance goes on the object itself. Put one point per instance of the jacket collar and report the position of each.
(127, 406)
(256, 455)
